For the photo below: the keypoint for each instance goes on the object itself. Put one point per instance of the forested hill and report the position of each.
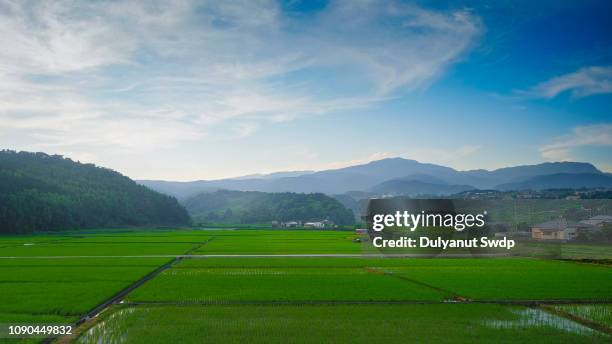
(226, 206)
(40, 192)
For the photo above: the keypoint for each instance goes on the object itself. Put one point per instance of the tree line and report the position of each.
(41, 192)
(225, 206)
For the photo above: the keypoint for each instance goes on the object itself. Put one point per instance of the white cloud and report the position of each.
(562, 148)
(105, 77)
(581, 83)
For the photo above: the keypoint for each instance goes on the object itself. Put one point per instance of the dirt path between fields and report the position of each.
(299, 255)
(526, 303)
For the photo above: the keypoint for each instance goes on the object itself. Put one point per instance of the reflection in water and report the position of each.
(112, 330)
(599, 313)
(531, 317)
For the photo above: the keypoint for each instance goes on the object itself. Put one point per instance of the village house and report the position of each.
(559, 229)
(319, 224)
(598, 221)
(291, 224)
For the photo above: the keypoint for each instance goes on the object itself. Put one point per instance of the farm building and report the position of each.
(319, 224)
(559, 229)
(598, 221)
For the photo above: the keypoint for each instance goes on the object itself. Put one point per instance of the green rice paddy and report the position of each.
(263, 295)
(439, 323)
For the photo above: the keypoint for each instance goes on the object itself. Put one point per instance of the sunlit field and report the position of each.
(196, 286)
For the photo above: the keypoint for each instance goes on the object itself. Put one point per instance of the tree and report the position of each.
(40, 192)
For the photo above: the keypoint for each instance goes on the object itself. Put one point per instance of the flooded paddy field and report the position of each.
(407, 323)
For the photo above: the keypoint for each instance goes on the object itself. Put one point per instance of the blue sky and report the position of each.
(206, 89)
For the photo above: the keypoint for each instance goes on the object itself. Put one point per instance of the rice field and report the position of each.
(214, 297)
(68, 287)
(282, 242)
(438, 323)
(514, 279)
(280, 284)
(601, 314)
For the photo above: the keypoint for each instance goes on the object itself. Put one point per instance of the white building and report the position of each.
(317, 224)
(291, 224)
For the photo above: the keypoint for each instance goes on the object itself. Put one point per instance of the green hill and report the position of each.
(40, 192)
(224, 206)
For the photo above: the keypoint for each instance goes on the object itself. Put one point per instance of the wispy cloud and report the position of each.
(584, 82)
(562, 148)
(138, 75)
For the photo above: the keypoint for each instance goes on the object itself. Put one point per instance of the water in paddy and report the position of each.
(531, 317)
(601, 313)
(112, 330)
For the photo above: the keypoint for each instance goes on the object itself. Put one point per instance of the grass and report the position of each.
(459, 323)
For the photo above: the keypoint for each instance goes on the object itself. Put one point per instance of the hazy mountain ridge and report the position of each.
(411, 187)
(560, 180)
(365, 177)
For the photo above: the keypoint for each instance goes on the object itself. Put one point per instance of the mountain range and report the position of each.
(398, 176)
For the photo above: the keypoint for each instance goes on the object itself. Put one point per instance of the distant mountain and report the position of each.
(426, 178)
(224, 206)
(507, 174)
(367, 176)
(179, 190)
(337, 181)
(275, 175)
(411, 187)
(561, 181)
(40, 192)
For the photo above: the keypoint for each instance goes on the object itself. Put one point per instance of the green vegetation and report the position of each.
(522, 213)
(512, 279)
(44, 278)
(440, 323)
(225, 206)
(50, 193)
(256, 279)
(65, 287)
(61, 288)
(598, 313)
(281, 242)
(281, 262)
(278, 284)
